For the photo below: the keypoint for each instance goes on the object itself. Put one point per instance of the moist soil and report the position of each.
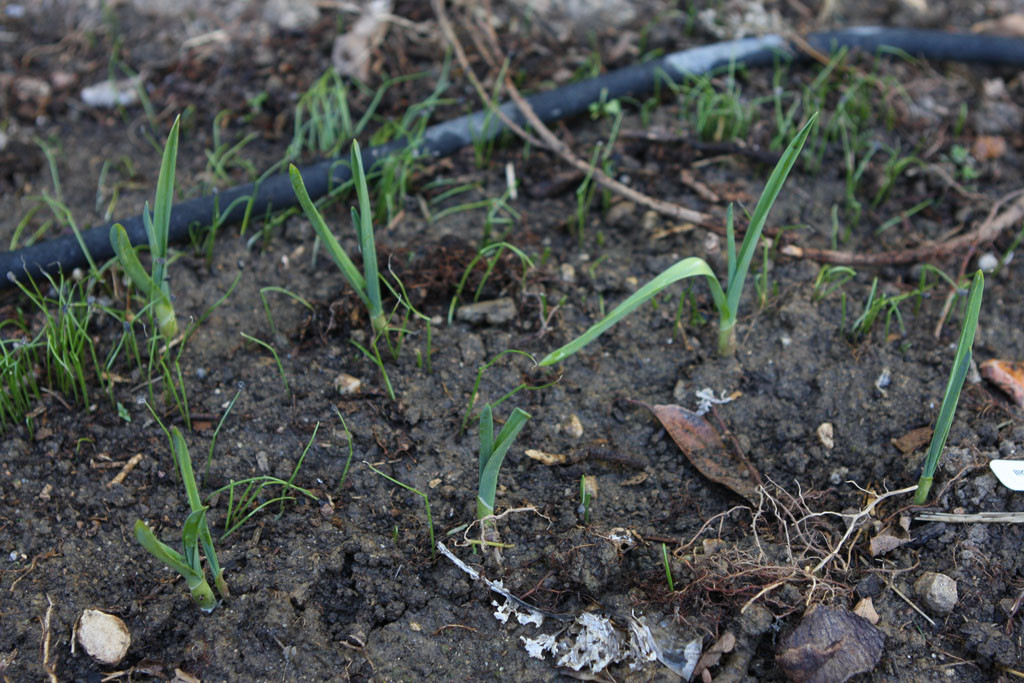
(343, 584)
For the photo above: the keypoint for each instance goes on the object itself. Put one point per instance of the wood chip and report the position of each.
(912, 440)
(546, 458)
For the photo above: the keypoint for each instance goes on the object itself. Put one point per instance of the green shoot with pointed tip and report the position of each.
(367, 283)
(726, 300)
(154, 285)
(194, 533)
(492, 454)
(961, 363)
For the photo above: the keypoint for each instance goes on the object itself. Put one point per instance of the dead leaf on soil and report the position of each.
(351, 52)
(912, 440)
(887, 540)
(830, 645)
(1008, 375)
(713, 655)
(703, 447)
(865, 609)
(988, 147)
(1009, 25)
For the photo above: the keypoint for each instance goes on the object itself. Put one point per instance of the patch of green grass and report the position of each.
(950, 398)
(421, 494)
(242, 507)
(19, 357)
(727, 300)
(492, 253)
(226, 156)
(277, 359)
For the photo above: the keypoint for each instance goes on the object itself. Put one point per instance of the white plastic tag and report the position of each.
(1010, 473)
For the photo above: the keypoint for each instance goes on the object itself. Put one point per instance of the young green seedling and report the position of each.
(726, 301)
(366, 284)
(492, 453)
(183, 461)
(194, 533)
(961, 362)
(187, 564)
(154, 285)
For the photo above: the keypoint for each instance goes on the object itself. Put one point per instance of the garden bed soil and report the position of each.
(345, 586)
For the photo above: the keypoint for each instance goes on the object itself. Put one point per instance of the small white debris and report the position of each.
(826, 435)
(493, 312)
(567, 273)
(503, 612)
(706, 398)
(346, 384)
(351, 52)
(536, 647)
(573, 427)
(103, 636)
(884, 379)
(988, 262)
(109, 94)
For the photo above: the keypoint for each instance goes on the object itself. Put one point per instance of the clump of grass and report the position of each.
(194, 533)
(727, 300)
(961, 363)
(154, 285)
(421, 494)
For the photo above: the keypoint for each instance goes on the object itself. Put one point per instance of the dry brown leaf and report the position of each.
(865, 609)
(713, 654)
(704, 449)
(1008, 375)
(988, 147)
(912, 440)
(887, 540)
(1008, 25)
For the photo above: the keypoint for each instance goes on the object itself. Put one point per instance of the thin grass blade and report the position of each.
(363, 221)
(688, 267)
(771, 191)
(961, 363)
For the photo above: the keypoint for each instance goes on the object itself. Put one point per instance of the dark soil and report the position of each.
(345, 586)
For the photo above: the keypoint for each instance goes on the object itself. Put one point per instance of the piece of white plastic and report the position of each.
(1010, 473)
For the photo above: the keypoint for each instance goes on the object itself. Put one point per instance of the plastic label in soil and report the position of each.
(1010, 473)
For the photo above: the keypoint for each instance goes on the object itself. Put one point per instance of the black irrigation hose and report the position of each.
(275, 193)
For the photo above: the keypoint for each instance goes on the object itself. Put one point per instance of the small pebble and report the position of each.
(493, 312)
(937, 593)
(826, 435)
(573, 427)
(346, 384)
(104, 637)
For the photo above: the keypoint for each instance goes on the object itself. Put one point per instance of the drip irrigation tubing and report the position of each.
(275, 193)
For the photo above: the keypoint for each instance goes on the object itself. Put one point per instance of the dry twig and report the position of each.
(984, 233)
(550, 140)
